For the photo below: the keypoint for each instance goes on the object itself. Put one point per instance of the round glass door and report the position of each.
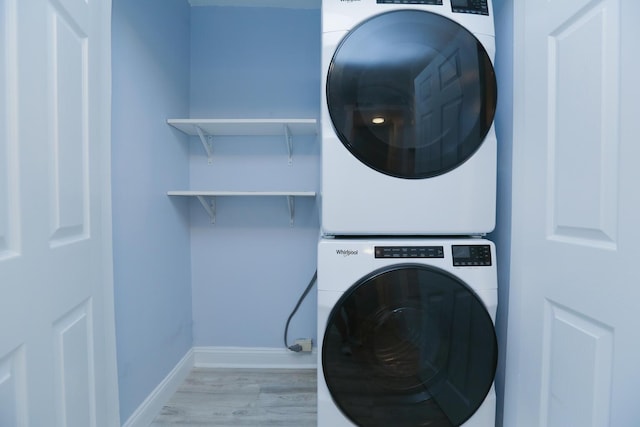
(411, 94)
(409, 345)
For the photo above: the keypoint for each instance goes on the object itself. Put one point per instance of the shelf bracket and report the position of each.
(209, 206)
(207, 143)
(291, 205)
(288, 142)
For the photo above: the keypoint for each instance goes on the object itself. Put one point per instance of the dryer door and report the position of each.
(409, 345)
(411, 94)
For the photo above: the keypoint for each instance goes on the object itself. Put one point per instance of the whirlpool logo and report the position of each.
(346, 252)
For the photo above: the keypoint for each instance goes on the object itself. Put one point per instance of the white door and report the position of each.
(57, 344)
(573, 357)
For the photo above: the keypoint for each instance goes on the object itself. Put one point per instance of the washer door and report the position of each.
(411, 94)
(409, 345)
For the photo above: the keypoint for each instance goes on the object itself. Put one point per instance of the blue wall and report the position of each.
(179, 280)
(150, 60)
(503, 13)
(249, 268)
(255, 62)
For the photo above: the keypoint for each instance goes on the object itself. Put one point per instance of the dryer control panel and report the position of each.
(471, 255)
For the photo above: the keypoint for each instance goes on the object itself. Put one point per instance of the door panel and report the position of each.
(68, 117)
(13, 386)
(571, 385)
(57, 344)
(573, 344)
(8, 139)
(74, 365)
(583, 54)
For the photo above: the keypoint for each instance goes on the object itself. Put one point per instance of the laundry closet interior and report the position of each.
(216, 179)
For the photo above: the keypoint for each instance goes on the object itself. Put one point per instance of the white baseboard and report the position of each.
(152, 405)
(252, 357)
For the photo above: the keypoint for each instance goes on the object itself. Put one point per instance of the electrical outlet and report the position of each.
(305, 343)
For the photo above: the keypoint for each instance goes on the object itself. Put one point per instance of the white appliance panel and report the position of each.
(343, 263)
(360, 199)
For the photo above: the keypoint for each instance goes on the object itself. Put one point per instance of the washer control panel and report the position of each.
(409, 252)
(471, 255)
(436, 2)
(477, 7)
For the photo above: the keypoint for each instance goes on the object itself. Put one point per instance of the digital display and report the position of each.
(461, 252)
(460, 3)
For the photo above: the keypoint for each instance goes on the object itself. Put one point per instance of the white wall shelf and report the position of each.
(207, 129)
(208, 198)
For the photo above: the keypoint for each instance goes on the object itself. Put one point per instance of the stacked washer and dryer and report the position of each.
(407, 285)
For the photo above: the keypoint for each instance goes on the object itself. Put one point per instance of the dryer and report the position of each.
(406, 332)
(408, 101)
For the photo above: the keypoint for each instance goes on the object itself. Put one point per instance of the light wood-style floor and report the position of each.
(243, 397)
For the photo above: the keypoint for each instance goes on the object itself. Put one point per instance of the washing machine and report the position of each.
(406, 332)
(408, 100)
